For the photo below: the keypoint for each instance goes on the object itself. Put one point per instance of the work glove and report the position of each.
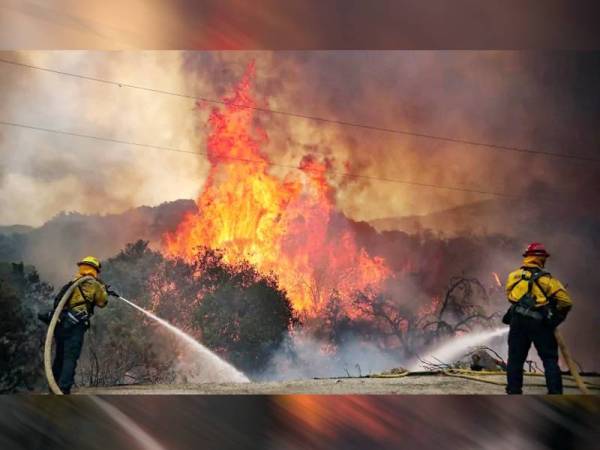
(111, 291)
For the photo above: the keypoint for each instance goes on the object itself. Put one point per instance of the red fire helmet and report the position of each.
(536, 249)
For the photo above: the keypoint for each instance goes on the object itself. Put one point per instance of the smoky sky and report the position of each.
(541, 100)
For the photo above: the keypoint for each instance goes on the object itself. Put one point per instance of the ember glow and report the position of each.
(497, 279)
(284, 226)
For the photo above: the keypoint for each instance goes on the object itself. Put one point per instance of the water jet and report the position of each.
(226, 372)
(449, 350)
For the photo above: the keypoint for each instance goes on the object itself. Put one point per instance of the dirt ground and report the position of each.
(414, 384)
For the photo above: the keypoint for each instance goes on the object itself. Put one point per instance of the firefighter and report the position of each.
(75, 320)
(539, 303)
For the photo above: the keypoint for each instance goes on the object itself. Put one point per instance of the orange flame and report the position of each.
(284, 226)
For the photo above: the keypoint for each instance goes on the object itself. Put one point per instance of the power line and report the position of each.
(468, 142)
(287, 166)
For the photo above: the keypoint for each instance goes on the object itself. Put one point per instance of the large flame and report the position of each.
(284, 226)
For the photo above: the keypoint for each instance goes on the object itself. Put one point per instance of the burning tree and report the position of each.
(285, 226)
(288, 226)
(263, 248)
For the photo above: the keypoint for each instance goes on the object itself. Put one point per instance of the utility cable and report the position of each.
(287, 166)
(472, 143)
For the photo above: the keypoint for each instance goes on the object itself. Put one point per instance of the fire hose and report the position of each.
(50, 334)
(570, 363)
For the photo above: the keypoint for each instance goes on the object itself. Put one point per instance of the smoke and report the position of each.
(302, 356)
(57, 172)
(501, 98)
(543, 101)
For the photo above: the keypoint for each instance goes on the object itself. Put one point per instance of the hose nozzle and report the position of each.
(110, 291)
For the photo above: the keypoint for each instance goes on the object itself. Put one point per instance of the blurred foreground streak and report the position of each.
(298, 422)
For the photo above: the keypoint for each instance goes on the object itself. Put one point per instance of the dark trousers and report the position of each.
(524, 331)
(69, 341)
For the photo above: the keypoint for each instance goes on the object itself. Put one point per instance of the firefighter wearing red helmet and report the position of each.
(539, 303)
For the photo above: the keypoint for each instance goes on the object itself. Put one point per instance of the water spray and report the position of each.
(456, 346)
(450, 350)
(229, 372)
(222, 366)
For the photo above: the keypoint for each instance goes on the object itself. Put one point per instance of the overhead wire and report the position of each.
(287, 113)
(270, 163)
(431, 136)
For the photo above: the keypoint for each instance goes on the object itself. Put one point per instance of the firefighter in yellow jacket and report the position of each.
(75, 320)
(539, 303)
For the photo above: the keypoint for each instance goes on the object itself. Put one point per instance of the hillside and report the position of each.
(10, 229)
(54, 246)
(496, 216)
(504, 216)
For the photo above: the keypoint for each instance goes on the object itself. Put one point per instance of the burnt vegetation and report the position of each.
(399, 324)
(22, 295)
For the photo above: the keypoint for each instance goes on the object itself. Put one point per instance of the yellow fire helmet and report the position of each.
(90, 261)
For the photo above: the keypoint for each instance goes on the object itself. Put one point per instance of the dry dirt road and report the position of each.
(414, 384)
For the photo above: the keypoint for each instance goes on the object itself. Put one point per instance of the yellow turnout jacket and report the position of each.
(94, 292)
(545, 288)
